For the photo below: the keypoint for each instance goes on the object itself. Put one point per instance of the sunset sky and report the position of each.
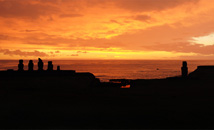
(107, 29)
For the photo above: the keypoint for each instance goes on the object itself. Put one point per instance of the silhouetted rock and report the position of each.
(50, 66)
(20, 65)
(58, 100)
(203, 72)
(30, 65)
(40, 65)
(184, 69)
(10, 70)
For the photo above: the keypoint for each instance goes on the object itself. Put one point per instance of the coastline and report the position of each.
(73, 101)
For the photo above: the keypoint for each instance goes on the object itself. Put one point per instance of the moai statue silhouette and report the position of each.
(30, 65)
(50, 66)
(184, 69)
(58, 68)
(40, 65)
(20, 65)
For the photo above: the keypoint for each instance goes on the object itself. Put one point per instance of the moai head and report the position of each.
(20, 65)
(40, 64)
(184, 69)
(184, 64)
(50, 65)
(20, 61)
(30, 65)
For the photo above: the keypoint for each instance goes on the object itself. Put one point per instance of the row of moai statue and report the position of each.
(184, 70)
(40, 65)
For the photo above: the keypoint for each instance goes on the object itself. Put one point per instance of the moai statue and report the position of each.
(184, 69)
(20, 65)
(40, 65)
(30, 65)
(58, 68)
(50, 66)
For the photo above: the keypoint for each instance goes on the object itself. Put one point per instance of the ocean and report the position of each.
(118, 69)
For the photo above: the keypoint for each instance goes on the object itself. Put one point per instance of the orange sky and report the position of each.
(107, 29)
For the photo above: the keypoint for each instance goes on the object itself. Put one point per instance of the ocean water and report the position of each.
(118, 69)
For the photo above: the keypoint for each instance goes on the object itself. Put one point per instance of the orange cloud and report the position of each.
(22, 53)
(81, 26)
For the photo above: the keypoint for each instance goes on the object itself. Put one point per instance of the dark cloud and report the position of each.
(41, 42)
(82, 52)
(115, 21)
(143, 18)
(4, 37)
(74, 55)
(24, 9)
(150, 5)
(28, 30)
(34, 9)
(8, 37)
(23, 53)
(57, 51)
(70, 15)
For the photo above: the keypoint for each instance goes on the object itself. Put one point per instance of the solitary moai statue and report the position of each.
(50, 66)
(40, 65)
(30, 65)
(58, 68)
(184, 69)
(20, 65)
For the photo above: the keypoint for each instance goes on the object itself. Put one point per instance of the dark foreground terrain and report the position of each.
(47, 102)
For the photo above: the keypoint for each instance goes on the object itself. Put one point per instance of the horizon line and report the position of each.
(113, 59)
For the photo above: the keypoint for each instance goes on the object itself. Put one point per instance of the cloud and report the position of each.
(24, 9)
(165, 38)
(142, 18)
(150, 5)
(181, 47)
(115, 21)
(198, 57)
(57, 51)
(74, 55)
(159, 38)
(82, 52)
(4, 37)
(23, 53)
(134, 25)
(28, 30)
(33, 9)
(70, 15)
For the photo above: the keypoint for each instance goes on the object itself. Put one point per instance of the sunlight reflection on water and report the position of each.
(126, 86)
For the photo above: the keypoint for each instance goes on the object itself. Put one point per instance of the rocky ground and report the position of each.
(51, 103)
